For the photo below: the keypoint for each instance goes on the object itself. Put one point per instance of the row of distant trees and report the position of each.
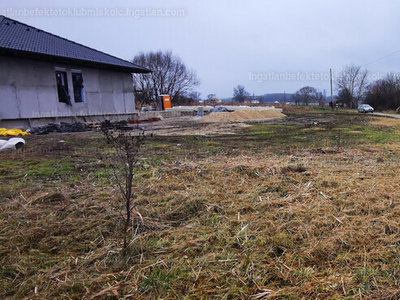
(384, 93)
(381, 94)
(353, 87)
(306, 95)
(171, 76)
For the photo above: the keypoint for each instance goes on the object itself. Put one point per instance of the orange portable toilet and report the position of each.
(165, 101)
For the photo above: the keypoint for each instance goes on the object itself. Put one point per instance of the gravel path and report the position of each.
(386, 115)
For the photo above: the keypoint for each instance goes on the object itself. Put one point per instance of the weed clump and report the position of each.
(50, 198)
(293, 169)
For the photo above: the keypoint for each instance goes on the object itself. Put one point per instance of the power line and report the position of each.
(383, 57)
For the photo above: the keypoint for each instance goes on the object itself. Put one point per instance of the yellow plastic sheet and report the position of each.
(12, 132)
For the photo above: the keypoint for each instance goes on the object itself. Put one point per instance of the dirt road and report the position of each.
(386, 115)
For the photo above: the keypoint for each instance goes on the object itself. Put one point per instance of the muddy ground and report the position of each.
(194, 126)
(175, 130)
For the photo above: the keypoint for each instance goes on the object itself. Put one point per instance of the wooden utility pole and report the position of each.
(331, 86)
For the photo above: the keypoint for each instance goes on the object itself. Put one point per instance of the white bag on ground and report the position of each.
(11, 144)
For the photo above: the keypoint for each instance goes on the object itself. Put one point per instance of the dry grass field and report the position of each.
(305, 207)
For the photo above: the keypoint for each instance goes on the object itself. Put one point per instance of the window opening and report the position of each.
(62, 88)
(77, 82)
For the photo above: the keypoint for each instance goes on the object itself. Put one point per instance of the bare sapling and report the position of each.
(124, 163)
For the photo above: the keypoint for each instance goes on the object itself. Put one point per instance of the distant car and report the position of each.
(365, 108)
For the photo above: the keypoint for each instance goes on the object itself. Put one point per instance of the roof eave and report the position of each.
(67, 60)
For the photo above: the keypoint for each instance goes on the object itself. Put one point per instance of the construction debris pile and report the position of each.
(60, 127)
(242, 115)
(120, 125)
(81, 127)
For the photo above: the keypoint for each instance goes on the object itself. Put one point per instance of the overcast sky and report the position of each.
(269, 46)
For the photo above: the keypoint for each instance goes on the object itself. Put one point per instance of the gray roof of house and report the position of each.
(18, 39)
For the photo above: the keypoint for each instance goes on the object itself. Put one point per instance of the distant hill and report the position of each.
(280, 97)
(268, 98)
(272, 97)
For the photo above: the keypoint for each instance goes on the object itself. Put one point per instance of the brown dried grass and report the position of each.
(386, 122)
(239, 223)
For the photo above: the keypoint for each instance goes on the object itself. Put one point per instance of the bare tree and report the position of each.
(344, 98)
(352, 82)
(320, 98)
(305, 95)
(212, 98)
(123, 163)
(384, 93)
(169, 76)
(196, 96)
(240, 93)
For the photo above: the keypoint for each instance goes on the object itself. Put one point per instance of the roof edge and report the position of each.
(136, 68)
(67, 60)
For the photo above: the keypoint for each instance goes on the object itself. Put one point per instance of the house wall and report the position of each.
(28, 89)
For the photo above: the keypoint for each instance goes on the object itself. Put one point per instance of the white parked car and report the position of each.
(365, 108)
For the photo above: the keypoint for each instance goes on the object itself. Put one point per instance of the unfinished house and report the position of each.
(44, 78)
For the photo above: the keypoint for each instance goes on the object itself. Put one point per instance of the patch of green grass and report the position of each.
(379, 136)
(35, 167)
(42, 170)
(157, 280)
(352, 130)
